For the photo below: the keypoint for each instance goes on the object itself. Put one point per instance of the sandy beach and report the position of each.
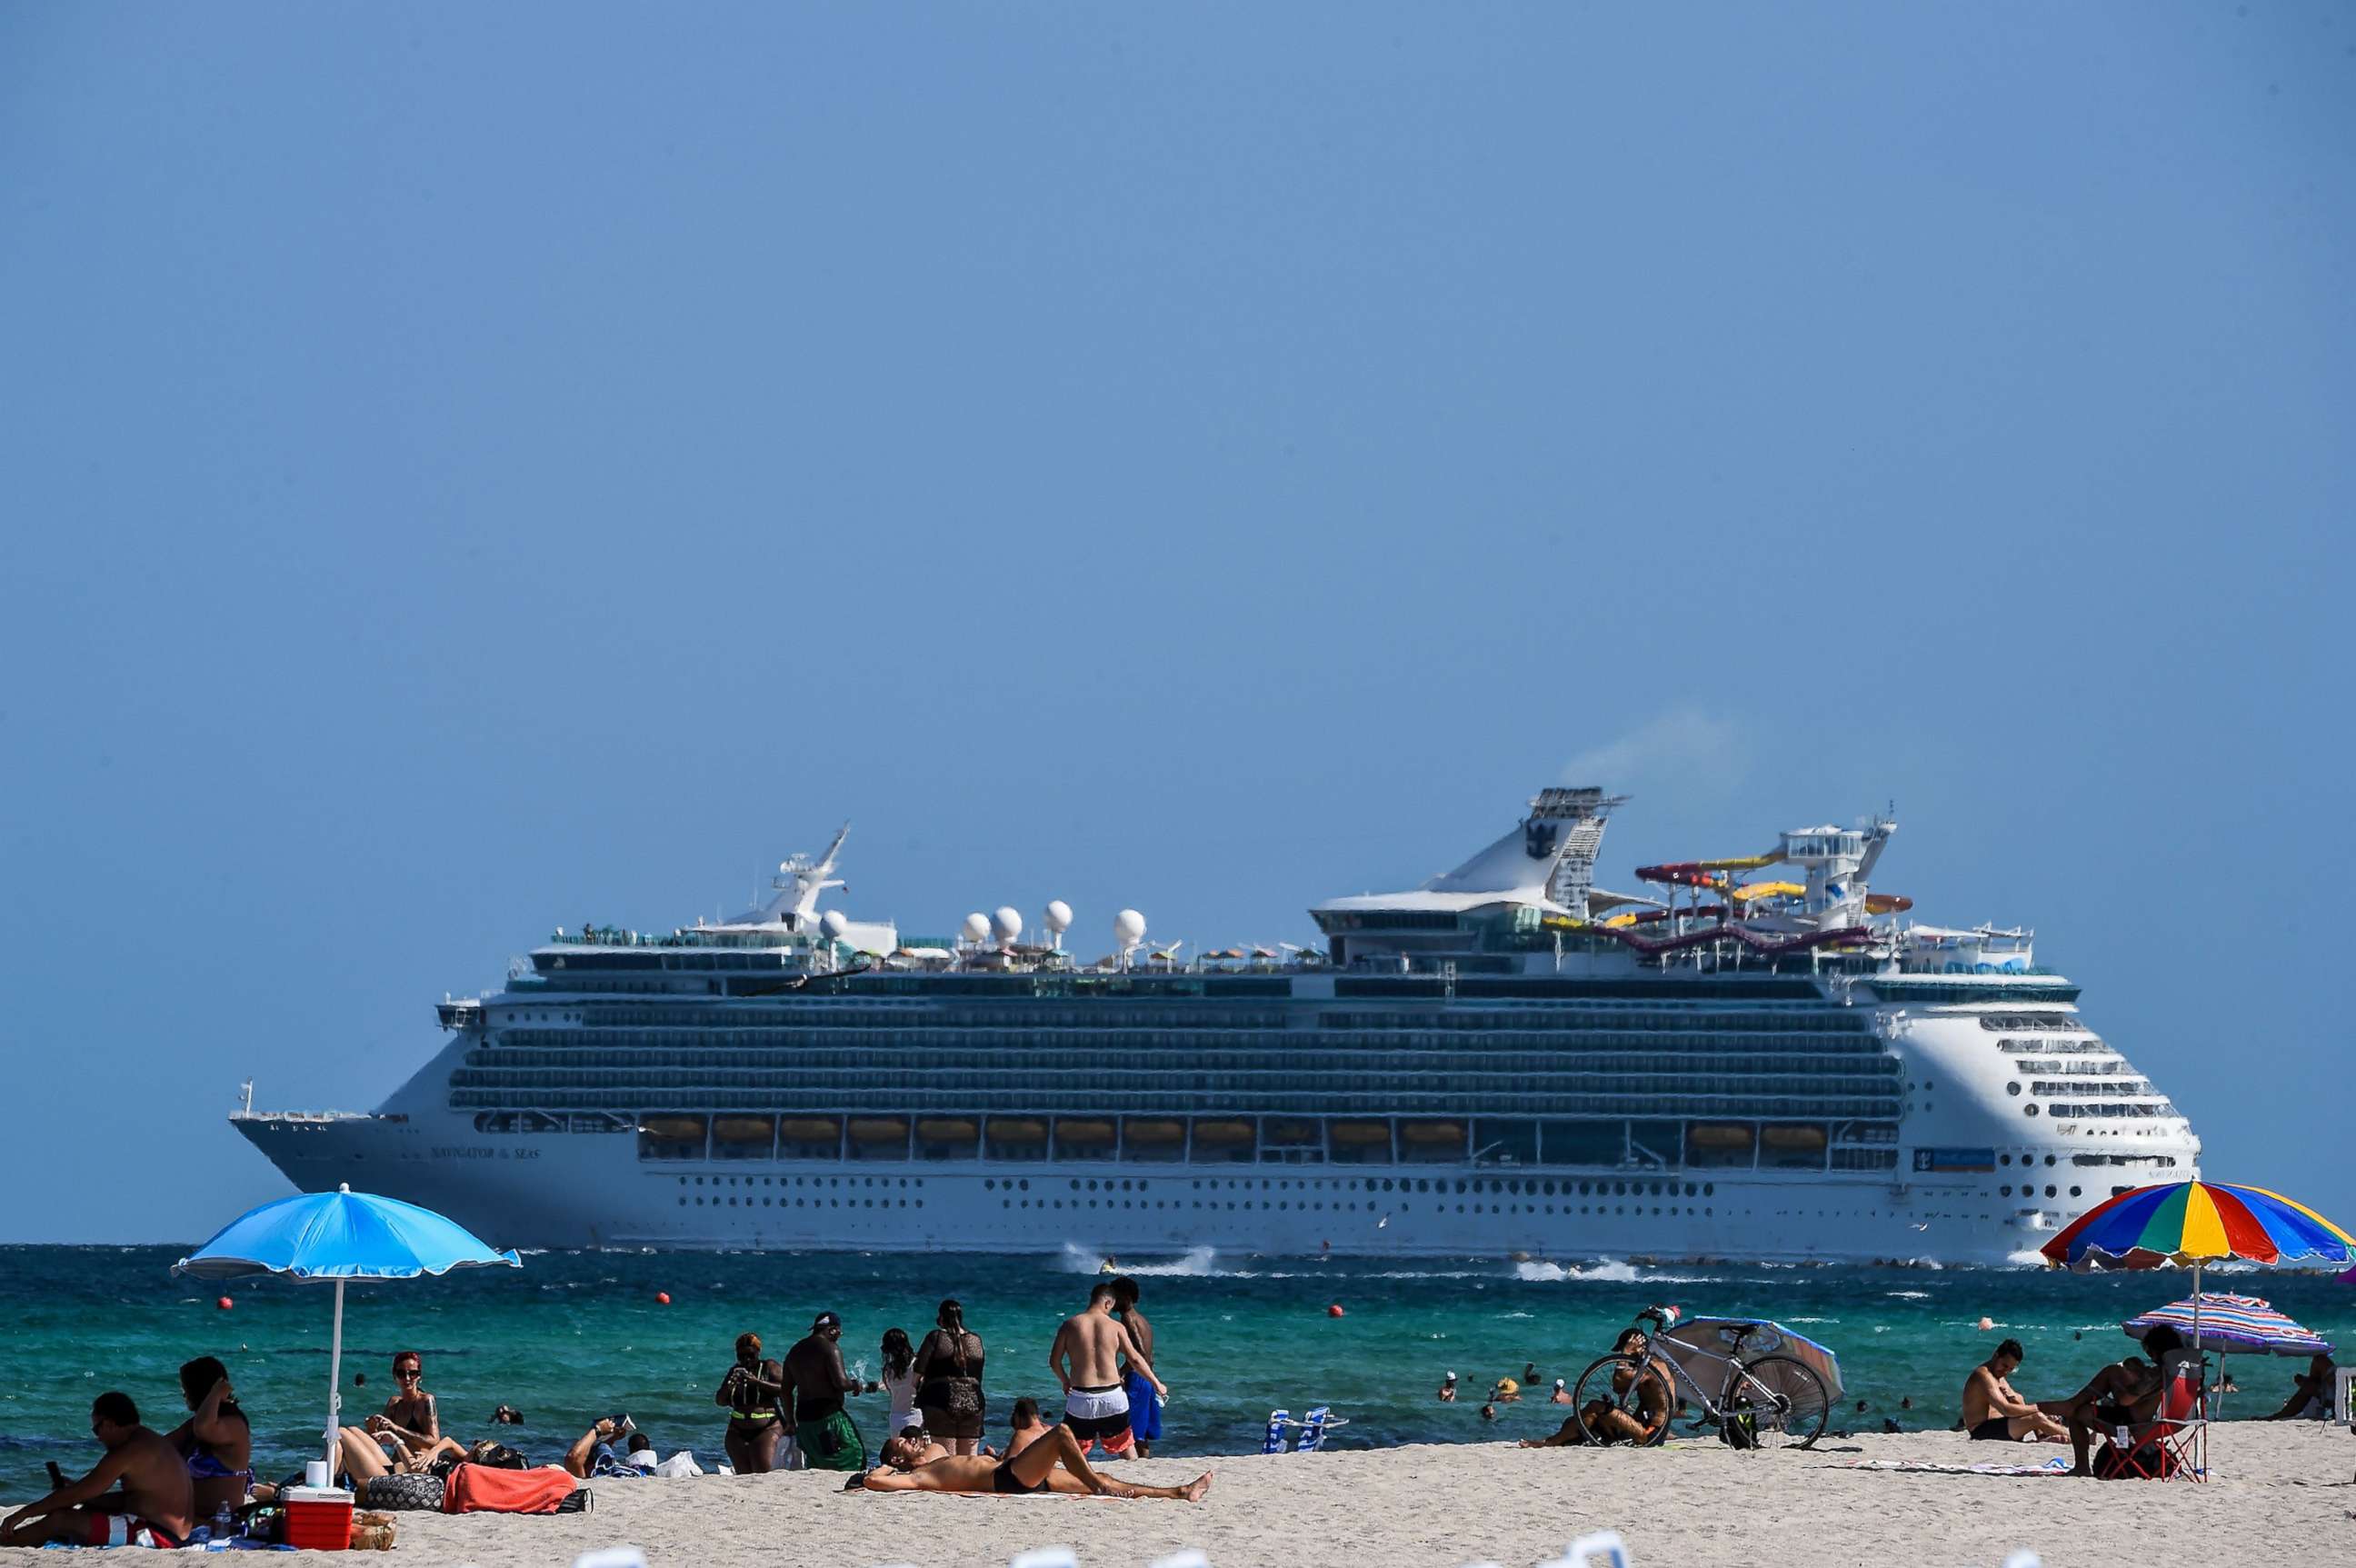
(2282, 1496)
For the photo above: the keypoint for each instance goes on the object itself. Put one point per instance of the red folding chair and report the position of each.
(2174, 1444)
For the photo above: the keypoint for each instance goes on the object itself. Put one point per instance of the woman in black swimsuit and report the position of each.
(949, 1382)
(754, 1391)
(1052, 1462)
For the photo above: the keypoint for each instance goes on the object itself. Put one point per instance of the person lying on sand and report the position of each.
(594, 1455)
(363, 1456)
(1052, 1462)
(152, 1503)
(1992, 1411)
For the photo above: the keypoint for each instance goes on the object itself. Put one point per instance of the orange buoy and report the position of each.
(662, 1299)
(1335, 1310)
(224, 1303)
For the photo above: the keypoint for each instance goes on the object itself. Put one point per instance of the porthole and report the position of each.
(2029, 1110)
(2013, 1088)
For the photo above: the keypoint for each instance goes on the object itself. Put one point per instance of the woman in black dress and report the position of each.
(948, 1381)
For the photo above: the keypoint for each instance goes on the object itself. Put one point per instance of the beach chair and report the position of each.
(1278, 1420)
(1312, 1429)
(2174, 1444)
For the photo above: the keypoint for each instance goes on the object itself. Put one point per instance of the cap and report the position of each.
(824, 1320)
(1452, 1376)
(1558, 1382)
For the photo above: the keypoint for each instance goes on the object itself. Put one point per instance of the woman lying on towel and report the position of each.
(1050, 1463)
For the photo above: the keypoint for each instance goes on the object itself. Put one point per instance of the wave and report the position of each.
(1606, 1270)
(1198, 1263)
(1908, 1295)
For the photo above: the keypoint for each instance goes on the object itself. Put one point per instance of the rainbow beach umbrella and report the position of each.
(2195, 1223)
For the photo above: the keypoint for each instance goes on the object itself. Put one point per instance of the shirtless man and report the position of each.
(1096, 1405)
(409, 1415)
(1611, 1420)
(1052, 1462)
(829, 1439)
(1448, 1390)
(154, 1506)
(1027, 1427)
(1144, 1408)
(1992, 1411)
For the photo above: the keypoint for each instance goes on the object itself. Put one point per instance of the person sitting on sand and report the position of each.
(1052, 1462)
(152, 1504)
(409, 1415)
(363, 1455)
(2310, 1394)
(1994, 1412)
(1609, 1420)
(1448, 1389)
(2125, 1394)
(1027, 1427)
(215, 1442)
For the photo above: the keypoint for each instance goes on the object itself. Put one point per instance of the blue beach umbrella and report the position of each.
(338, 1236)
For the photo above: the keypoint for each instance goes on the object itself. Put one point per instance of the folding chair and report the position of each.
(2174, 1444)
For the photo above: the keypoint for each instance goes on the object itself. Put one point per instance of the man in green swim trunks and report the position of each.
(823, 1428)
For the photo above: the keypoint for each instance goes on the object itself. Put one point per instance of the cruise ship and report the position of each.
(1754, 1057)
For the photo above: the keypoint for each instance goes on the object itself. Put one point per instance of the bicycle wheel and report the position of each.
(1603, 1390)
(1781, 1403)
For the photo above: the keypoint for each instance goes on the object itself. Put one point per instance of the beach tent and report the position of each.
(332, 1237)
(1700, 1346)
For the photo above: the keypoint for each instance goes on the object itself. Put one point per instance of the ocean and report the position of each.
(571, 1335)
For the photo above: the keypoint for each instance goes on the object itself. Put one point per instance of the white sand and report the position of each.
(2282, 1495)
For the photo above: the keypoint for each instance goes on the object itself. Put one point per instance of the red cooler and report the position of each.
(318, 1518)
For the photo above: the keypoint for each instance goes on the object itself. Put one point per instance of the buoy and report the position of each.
(662, 1299)
(1986, 1324)
(224, 1303)
(1335, 1310)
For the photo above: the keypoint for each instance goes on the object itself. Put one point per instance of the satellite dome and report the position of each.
(1129, 927)
(977, 927)
(1058, 917)
(832, 924)
(1007, 922)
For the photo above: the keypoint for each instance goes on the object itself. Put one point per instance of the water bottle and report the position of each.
(224, 1522)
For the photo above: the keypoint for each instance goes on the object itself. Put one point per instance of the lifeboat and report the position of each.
(1811, 1139)
(1223, 1133)
(1360, 1134)
(1094, 1134)
(1156, 1134)
(879, 1130)
(810, 1128)
(946, 1129)
(1721, 1135)
(1430, 1134)
(1017, 1130)
(742, 1129)
(674, 1129)
(1887, 903)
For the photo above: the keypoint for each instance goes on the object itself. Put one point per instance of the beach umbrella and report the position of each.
(335, 1236)
(1701, 1346)
(2222, 1322)
(2196, 1223)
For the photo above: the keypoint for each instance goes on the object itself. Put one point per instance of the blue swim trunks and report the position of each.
(1144, 1406)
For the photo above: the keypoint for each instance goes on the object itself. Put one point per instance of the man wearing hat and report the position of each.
(824, 1431)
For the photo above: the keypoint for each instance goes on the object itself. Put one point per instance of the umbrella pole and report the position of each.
(336, 1384)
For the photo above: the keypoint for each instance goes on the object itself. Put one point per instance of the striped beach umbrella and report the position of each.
(2197, 1223)
(2216, 1321)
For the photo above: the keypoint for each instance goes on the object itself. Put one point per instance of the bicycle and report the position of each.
(1769, 1401)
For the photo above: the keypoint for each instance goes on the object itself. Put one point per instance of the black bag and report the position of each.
(964, 1391)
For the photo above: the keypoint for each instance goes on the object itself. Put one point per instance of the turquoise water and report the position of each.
(571, 1335)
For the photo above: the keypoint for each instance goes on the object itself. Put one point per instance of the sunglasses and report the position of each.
(409, 1374)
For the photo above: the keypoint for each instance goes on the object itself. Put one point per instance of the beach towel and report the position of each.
(2056, 1466)
(483, 1488)
(831, 1442)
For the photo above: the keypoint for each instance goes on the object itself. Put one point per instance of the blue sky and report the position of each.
(469, 471)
